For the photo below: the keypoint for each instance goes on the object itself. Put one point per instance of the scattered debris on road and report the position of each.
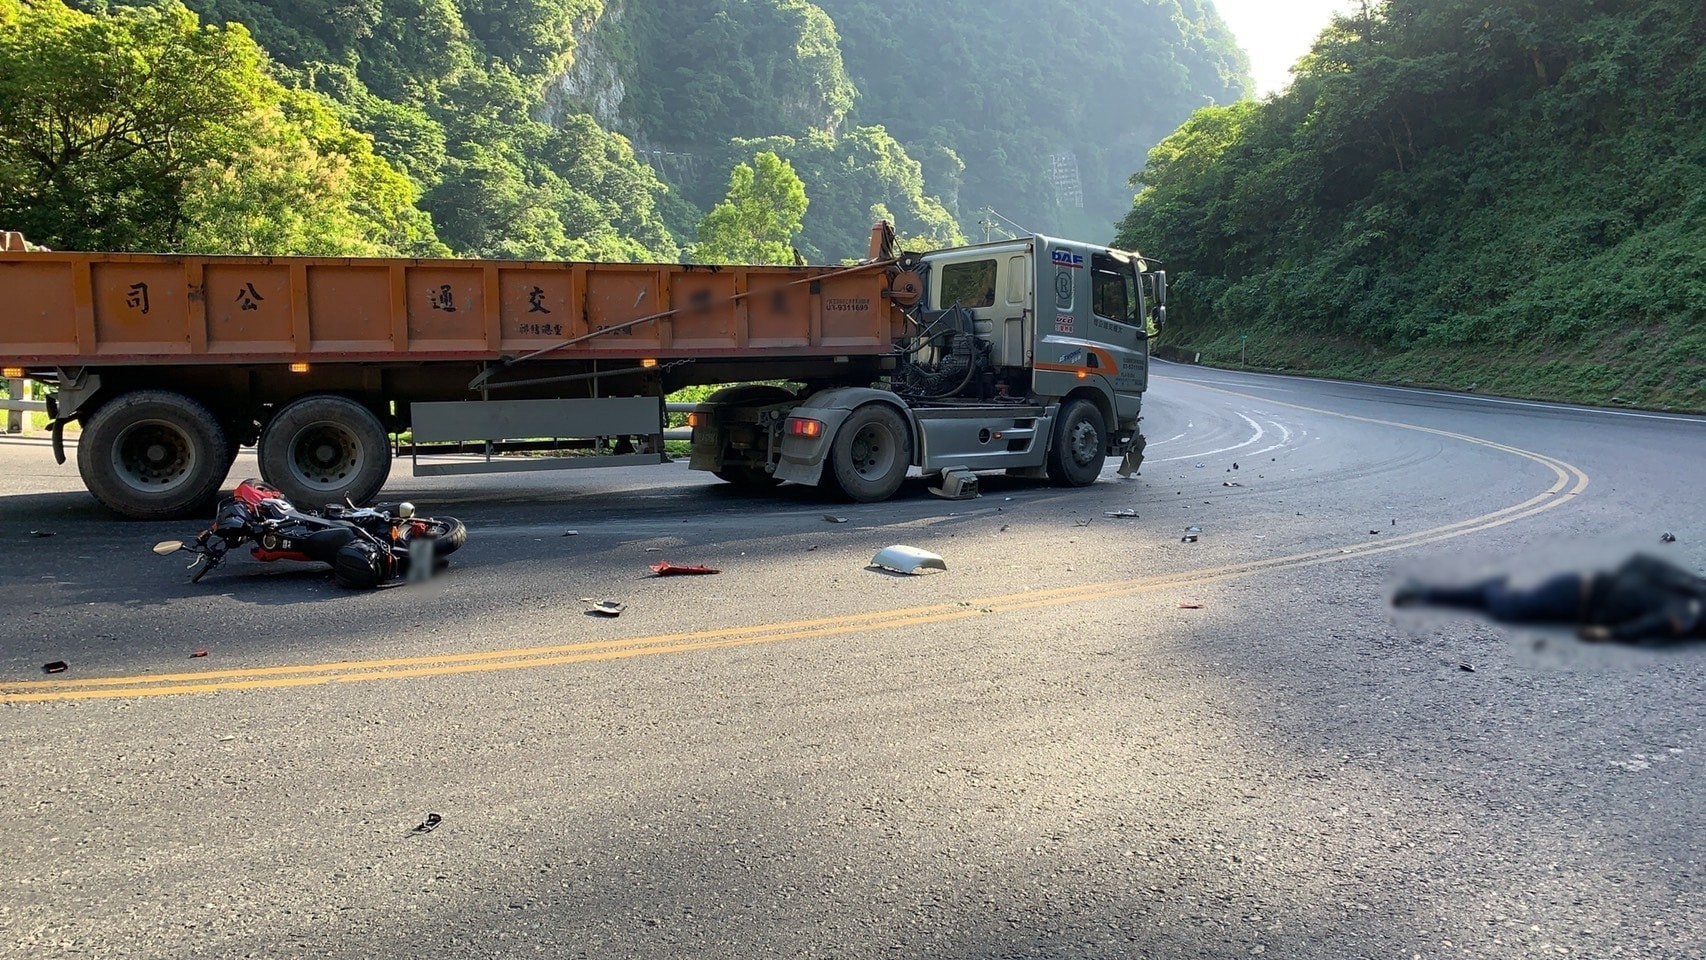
(41, 533)
(1187, 539)
(1667, 537)
(1190, 606)
(57, 666)
(1193, 529)
(1126, 514)
(429, 824)
(958, 483)
(197, 653)
(605, 608)
(571, 533)
(667, 569)
(832, 518)
(1466, 668)
(1230, 483)
(909, 560)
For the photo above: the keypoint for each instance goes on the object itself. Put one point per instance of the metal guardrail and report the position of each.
(25, 406)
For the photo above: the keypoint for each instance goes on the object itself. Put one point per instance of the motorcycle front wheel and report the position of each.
(448, 535)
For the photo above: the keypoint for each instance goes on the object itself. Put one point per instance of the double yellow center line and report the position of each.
(1568, 481)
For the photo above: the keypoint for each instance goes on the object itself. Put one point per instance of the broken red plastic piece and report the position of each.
(198, 653)
(667, 569)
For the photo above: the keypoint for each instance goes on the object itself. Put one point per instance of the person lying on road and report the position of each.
(1644, 602)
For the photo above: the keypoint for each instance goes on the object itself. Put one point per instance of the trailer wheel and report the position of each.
(871, 453)
(153, 455)
(1080, 445)
(323, 449)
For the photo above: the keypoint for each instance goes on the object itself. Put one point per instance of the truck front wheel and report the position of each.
(153, 455)
(323, 449)
(871, 453)
(1080, 445)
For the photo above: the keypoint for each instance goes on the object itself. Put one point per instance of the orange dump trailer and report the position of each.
(171, 363)
(59, 309)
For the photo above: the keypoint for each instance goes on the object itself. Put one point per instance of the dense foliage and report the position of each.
(145, 131)
(1009, 86)
(709, 70)
(606, 129)
(759, 219)
(855, 180)
(1510, 194)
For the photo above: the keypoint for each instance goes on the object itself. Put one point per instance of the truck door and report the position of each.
(1116, 320)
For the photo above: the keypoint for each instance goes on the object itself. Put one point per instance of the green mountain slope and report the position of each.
(1510, 196)
(1050, 105)
(606, 128)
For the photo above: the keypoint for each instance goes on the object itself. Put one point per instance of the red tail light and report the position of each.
(803, 427)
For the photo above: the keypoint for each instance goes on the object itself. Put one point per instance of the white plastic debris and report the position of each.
(904, 559)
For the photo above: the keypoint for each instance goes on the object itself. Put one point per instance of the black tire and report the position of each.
(153, 455)
(452, 534)
(749, 478)
(324, 449)
(1079, 445)
(871, 452)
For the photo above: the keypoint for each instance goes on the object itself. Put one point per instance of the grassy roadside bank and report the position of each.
(1652, 368)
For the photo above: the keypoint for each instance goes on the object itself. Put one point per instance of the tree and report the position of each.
(144, 130)
(758, 220)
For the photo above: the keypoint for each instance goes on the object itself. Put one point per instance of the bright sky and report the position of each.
(1276, 33)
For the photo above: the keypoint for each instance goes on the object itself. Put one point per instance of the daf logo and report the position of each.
(1066, 258)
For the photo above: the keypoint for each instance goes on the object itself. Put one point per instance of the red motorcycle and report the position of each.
(365, 546)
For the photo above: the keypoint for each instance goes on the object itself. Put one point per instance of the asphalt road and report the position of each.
(1049, 750)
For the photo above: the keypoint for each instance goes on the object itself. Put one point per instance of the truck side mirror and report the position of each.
(1161, 287)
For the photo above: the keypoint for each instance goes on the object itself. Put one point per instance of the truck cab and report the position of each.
(1029, 356)
(1063, 318)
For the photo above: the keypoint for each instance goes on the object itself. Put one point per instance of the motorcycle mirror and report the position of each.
(405, 510)
(166, 548)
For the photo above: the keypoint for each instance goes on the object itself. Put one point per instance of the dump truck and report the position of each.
(1027, 355)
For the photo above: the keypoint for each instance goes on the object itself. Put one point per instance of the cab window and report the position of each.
(1113, 290)
(970, 284)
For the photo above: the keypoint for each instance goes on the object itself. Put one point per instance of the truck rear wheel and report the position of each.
(153, 455)
(324, 449)
(1080, 445)
(871, 453)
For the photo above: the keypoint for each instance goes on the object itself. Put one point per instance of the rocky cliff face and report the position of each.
(592, 83)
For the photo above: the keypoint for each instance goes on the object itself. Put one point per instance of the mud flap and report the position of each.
(1133, 459)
